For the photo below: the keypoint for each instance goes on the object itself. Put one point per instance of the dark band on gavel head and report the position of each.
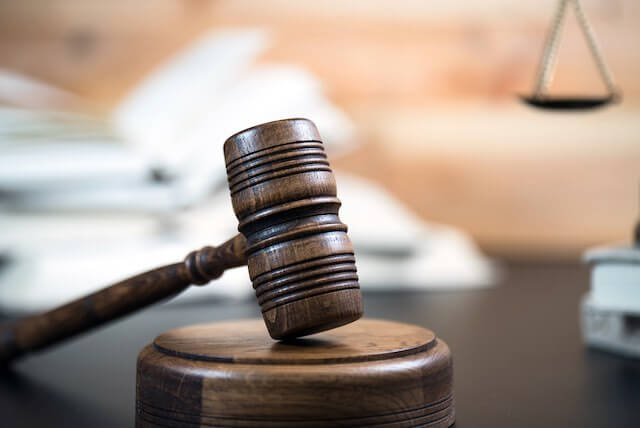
(300, 259)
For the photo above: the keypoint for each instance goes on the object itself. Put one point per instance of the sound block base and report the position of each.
(231, 374)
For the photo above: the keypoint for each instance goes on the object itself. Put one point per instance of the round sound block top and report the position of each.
(246, 342)
(369, 373)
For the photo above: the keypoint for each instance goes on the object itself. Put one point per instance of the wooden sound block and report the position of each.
(231, 374)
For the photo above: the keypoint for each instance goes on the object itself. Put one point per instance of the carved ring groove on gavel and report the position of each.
(300, 259)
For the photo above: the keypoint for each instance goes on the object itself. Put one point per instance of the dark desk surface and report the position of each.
(518, 358)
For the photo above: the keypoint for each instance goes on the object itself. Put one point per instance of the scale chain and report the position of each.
(550, 48)
(547, 65)
(589, 34)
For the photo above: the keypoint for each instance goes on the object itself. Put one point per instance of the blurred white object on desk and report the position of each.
(53, 263)
(615, 277)
(398, 250)
(611, 310)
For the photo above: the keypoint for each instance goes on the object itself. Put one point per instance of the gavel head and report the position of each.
(300, 259)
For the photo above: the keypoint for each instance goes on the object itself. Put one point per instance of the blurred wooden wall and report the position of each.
(431, 86)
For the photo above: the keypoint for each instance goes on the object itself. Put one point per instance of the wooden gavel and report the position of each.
(300, 259)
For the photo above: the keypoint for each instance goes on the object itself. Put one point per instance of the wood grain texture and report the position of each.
(299, 255)
(368, 373)
(211, 342)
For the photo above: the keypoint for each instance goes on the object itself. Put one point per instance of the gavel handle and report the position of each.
(39, 331)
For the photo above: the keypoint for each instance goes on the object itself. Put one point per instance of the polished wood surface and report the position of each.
(300, 258)
(353, 343)
(368, 373)
(39, 331)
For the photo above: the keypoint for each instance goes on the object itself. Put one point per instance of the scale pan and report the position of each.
(569, 103)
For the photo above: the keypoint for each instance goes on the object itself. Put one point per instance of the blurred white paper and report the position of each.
(164, 150)
(178, 95)
(66, 258)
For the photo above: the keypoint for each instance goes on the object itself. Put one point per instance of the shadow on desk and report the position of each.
(29, 403)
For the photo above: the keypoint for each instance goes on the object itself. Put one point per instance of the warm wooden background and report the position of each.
(431, 86)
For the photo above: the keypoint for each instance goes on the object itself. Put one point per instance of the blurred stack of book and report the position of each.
(86, 200)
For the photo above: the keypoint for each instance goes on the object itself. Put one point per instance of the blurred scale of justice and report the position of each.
(610, 312)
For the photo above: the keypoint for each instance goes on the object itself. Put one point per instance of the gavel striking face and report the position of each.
(300, 259)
